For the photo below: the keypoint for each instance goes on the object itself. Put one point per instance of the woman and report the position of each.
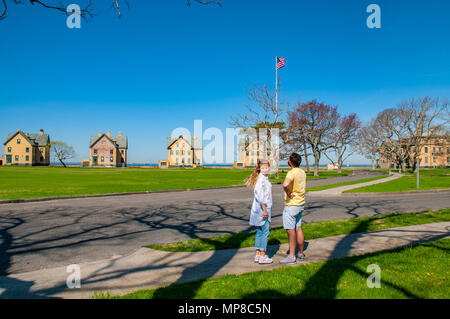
(260, 214)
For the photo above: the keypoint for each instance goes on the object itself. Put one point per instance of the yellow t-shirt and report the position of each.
(297, 187)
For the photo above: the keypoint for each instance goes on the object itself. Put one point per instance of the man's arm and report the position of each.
(286, 186)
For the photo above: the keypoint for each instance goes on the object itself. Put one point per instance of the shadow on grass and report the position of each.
(195, 276)
(323, 284)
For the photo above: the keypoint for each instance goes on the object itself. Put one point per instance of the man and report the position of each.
(294, 187)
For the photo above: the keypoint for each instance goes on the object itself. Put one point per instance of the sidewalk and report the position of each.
(337, 191)
(148, 268)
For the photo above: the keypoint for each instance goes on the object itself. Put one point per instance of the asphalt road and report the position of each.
(54, 233)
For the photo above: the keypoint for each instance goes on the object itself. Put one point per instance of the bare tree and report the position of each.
(368, 142)
(310, 122)
(342, 139)
(423, 117)
(62, 151)
(87, 11)
(263, 113)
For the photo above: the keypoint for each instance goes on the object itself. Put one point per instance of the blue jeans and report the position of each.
(262, 236)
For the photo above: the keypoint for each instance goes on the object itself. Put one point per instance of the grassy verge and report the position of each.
(322, 174)
(311, 231)
(428, 179)
(323, 187)
(405, 273)
(19, 182)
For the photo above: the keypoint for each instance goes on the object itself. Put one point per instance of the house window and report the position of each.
(27, 150)
(111, 159)
(18, 141)
(182, 152)
(16, 158)
(27, 158)
(182, 160)
(253, 153)
(246, 153)
(448, 159)
(111, 152)
(189, 152)
(426, 150)
(9, 149)
(440, 149)
(95, 151)
(178, 144)
(178, 152)
(171, 152)
(434, 149)
(189, 160)
(434, 159)
(268, 154)
(426, 160)
(102, 159)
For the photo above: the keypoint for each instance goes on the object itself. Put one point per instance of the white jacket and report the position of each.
(263, 195)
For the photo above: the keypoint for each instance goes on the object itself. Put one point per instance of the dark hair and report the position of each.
(295, 159)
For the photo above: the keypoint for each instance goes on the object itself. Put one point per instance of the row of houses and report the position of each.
(184, 151)
(23, 148)
(27, 149)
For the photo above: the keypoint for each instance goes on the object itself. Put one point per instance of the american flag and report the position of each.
(280, 62)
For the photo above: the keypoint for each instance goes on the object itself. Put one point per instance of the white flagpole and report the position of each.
(276, 83)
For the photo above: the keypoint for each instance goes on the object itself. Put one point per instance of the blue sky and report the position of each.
(164, 65)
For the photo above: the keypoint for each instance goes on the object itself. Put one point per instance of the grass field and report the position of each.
(19, 182)
(421, 271)
(428, 179)
(323, 187)
(311, 230)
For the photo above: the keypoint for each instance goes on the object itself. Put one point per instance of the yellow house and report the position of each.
(27, 149)
(107, 150)
(435, 153)
(252, 149)
(182, 151)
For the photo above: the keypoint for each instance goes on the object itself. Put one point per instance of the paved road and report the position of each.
(40, 235)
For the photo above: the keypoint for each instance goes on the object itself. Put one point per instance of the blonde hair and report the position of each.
(251, 180)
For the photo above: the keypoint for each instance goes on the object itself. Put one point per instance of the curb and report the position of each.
(431, 191)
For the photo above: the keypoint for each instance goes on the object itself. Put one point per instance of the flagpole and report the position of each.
(276, 83)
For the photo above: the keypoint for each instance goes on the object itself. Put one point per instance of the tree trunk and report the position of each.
(62, 163)
(306, 158)
(316, 164)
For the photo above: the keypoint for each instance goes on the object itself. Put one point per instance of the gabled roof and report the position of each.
(195, 144)
(33, 139)
(118, 141)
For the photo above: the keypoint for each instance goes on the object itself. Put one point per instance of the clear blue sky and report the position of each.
(163, 65)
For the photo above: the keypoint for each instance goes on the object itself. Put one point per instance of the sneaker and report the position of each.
(265, 260)
(301, 257)
(288, 260)
(257, 257)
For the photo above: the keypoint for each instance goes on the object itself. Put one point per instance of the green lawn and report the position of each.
(428, 179)
(420, 271)
(323, 187)
(322, 174)
(19, 182)
(311, 230)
